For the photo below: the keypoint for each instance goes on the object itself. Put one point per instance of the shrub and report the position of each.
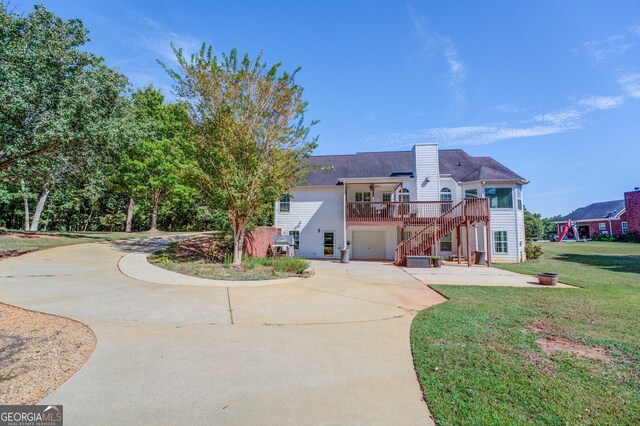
(292, 265)
(603, 237)
(532, 251)
(631, 237)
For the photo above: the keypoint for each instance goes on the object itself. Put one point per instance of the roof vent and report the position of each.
(637, 188)
(459, 164)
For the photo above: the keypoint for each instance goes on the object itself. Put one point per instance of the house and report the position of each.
(388, 205)
(608, 217)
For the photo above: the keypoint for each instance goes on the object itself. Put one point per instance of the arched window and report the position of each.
(445, 195)
(404, 195)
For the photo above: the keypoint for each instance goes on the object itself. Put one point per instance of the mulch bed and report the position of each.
(38, 353)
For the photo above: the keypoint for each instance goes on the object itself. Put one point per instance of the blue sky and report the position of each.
(549, 88)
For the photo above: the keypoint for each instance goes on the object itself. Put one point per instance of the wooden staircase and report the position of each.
(466, 212)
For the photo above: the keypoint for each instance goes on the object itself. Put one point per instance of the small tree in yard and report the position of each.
(248, 137)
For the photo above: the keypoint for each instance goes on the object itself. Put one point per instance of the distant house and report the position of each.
(389, 205)
(606, 218)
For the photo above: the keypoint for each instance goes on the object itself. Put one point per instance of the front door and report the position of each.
(329, 244)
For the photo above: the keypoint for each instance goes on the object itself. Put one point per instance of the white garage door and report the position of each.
(368, 245)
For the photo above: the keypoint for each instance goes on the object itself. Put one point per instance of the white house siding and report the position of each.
(448, 182)
(313, 209)
(390, 237)
(426, 165)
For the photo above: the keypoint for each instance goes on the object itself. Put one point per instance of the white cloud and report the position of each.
(554, 122)
(602, 102)
(468, 135)
(600, 50)
(432, 42)
(635, 29)
(507, 108)
(157, 39)
(630, 83)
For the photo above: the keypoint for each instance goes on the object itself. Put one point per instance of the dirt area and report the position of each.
(38, 353)
(553, 344)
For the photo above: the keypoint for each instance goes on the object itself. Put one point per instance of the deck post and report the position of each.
(458, 245)
(468, 228)
(488, 244)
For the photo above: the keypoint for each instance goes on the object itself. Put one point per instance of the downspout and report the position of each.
(344, 217)
(610, 228)
(518, 246)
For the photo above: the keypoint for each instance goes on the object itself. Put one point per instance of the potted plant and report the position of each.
(436, 261)
(548, 278)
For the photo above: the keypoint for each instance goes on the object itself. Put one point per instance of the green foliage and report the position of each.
(55, 99)
(532, 250)
(535, 226)
(292, 265)
(603, 237)
(631, 237)
(248, 135)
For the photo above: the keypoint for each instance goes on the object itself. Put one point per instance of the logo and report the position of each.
(30, 415)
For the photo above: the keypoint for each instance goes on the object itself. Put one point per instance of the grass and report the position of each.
(193, 257)
(479, 363)
(13, 240)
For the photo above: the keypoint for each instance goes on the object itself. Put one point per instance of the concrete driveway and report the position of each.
(331, 349)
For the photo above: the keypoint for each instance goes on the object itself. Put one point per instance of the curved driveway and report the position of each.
(330, 349)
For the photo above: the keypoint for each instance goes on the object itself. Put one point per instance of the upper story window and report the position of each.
(445, 194)
(470, 193)
(404, 195)
(519, 197)
(386, 197)
(499, 198)
(285, 203)
(363, 196)
(624, 227)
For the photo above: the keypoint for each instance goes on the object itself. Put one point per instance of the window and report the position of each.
(500, 242)
(404, 195)
(602, 226)
(446, 243)
(285, 203)
(386, 197)
(445, 195)
(363, 196)
(499, 198)
(471, 193)
(625, 227)
(296, 239)
(519, 197)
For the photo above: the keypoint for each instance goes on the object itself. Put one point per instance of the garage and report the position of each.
(368, 245)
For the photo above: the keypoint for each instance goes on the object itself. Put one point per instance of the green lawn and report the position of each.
(477, 357)
(43, 240)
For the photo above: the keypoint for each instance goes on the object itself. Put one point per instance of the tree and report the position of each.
(153, 166)
(534, 225)
(60, 108)
(248, 137)
(40, 63)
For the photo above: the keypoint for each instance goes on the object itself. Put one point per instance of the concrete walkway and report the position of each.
(453, 274)
(331, 349)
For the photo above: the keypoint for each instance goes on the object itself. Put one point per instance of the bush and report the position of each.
(292, 265)
(631, 237)
(532, 251)
(603, 237)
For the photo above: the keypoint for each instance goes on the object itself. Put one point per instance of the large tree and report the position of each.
(54, 97)
(153, 164)
(248, 134)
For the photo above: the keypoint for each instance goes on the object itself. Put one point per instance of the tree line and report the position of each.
(81, 151)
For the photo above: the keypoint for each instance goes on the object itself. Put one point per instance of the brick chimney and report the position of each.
(632, 204)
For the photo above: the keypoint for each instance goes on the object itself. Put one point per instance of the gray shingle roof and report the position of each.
(455, 162)
(603, 210)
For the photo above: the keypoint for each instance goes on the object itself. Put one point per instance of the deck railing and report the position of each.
(408, 212)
